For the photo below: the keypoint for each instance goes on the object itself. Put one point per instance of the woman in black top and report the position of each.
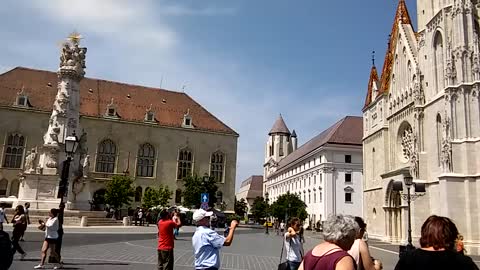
(437, 248)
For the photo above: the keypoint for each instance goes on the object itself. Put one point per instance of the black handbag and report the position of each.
(284, 265)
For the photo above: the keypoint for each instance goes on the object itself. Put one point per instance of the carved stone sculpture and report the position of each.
(86, 166)
(409, 145)
(30, 161)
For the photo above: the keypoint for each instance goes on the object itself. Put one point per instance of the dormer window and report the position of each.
(150, 115)
(22, 99)
(187, 120)
(111, 111)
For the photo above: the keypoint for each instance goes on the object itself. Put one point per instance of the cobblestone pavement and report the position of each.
(96, 248)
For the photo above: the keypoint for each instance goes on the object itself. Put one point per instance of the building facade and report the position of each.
(154, 135)
(422, 117)
(325, 172)
(250, 189)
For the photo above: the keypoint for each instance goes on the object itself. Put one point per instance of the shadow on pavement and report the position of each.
(95, 263)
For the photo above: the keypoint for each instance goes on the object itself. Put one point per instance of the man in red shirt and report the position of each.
(166, 240)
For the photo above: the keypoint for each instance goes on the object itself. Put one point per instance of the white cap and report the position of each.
(200, 214)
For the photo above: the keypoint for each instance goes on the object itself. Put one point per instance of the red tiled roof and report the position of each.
(348, 130)
(132, 101)
(401, 15)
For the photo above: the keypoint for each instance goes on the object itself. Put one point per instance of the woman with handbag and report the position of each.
(51, 235)
(339, 233)
(19, 222)
(293, 244)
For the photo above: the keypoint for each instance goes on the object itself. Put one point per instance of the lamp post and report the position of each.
(266, 219)
(71, 144)
(419, 190)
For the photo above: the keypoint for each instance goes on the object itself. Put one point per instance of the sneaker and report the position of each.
(39, 267)
(22, 257)
(58, 266)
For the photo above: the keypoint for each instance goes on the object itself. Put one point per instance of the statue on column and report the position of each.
(446, 146)
(409, 145)
(30, 160)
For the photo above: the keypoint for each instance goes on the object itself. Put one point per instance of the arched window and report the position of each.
(178, 196)
(185, 161)
(217, 166)
(438, 64)
(3, 187)
(14, 149)
(106, 156)
(14, 187)
(145, 160)
(138, 194)
(439, 137)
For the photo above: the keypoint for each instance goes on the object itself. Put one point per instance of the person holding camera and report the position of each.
(51, 236)
(207, 243)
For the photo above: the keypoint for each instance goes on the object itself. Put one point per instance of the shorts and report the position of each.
(51, 240)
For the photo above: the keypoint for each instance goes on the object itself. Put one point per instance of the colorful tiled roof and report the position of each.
(402, 16)
(131, 101)
(347, 131)
(372, 84)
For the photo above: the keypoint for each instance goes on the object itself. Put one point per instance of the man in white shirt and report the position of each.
(3, 217)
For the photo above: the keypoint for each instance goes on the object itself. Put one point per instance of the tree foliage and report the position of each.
(290, 205)
(259, 208)
(157, 197)
(240, 207)
(119, 191)
(195, 185)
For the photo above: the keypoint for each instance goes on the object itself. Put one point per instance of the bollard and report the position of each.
(126, 221)
(84, 221)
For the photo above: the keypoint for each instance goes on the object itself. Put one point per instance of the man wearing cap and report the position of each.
(207, 243)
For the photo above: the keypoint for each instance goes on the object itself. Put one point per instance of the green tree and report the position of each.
(157, 197)
(240, 207)
(119, 191)
(195, 185)
(259, 208)
(289, 205)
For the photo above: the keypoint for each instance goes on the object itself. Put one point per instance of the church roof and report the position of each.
(131, 101)
(401, 16)
(373, 84)
(347, 131)
(279, 127)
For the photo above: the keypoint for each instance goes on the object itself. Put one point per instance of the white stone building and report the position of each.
(250, 189)
(422, 116)
(325, 172)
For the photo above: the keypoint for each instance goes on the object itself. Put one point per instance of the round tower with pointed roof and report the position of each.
(279, 144)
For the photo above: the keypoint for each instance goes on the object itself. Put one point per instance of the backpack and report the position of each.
(6, 251)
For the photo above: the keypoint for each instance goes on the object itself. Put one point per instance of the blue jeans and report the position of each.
(294, 265)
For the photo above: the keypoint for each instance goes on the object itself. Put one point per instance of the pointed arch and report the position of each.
(14, 151)
(438, 59)
(438, 125)
(3, 187)
(14, 188)
(138, 194)
(184, 163)
(106, 156)
(217, 166)
(146, 160)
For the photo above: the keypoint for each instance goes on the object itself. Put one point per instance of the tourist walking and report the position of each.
(339, 233)
(293, 244)
(140, 216)
(27, 217)
(166, 240)
(19, 225)
(438, 250)
(3, 216)
(282, 227)
(359, 250)
(175, 219)
(207, 243)
(51, 237)
(135, 215)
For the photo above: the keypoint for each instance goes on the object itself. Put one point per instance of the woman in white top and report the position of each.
(359, 250)
(293, 244)
(51, 237)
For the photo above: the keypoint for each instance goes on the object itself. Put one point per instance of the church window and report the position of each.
(178, 196)
(14, 150)
(304, 196)
(438, 61)
(185, 164)
(138, 194)
(314, 197)
(217, 165)
(3, 187)
(146, 160)
(106, 156)
(309, 197)
(320, 196)
(272, 152)
(315, 180)
(14, 188)
(280, 149)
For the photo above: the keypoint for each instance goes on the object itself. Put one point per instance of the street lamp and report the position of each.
(266, 219)
(71, 144)
(419, 190)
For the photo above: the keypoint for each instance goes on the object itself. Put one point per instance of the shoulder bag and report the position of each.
(284, 265)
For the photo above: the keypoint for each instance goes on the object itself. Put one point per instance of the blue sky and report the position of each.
(246, 61)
